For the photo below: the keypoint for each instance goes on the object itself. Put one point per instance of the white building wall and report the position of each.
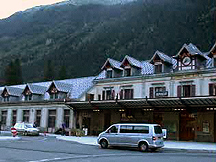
(44, 118)
(32, 116)
(72, 123)
(9, 118)
(19, 115)
(59, 117)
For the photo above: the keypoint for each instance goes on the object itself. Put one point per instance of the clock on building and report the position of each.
(186, 61)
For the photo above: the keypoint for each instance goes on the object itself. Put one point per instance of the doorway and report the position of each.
(187, 126)
(86, 123)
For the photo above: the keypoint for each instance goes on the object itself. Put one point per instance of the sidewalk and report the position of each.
(202, 146)
(8, 137)
(92, 140)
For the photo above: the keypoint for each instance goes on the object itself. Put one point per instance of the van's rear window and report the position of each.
(157, 129)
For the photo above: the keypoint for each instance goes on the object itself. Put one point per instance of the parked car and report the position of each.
(26, 129)
(142, 136)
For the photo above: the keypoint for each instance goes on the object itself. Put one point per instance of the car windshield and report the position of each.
(29, 126)
(157, 129)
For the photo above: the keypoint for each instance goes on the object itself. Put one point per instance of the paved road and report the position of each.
(40, 149)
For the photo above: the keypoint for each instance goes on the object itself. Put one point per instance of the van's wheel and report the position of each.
(143, 147)
(104, 144)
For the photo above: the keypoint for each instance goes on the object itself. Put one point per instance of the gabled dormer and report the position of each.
(112, 68)
(131, 66)
(11, 94)
(189, 58)
(59, 90)
(162, 63)
(212, 54)
(33, 92)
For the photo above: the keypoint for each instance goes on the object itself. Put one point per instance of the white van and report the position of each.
(143, 136)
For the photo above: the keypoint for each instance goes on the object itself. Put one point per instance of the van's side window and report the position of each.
(126, 129)
(113, 129)
(134, 129)
(141, 129)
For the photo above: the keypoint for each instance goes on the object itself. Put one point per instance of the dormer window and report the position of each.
(109, 74)
(6, 96)
(158, 68)
(214, 61)
(128, 72)
(28, 97)
(53, 96)
(28, 94)
(6, 99)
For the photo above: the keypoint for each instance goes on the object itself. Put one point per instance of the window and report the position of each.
(109, 74)
(14, 114)
(67, 117)
(113, 129)
(26, 116)
(38, 117)
(53, 96)
(108, 94)
(158, 68)
(212, 89)
(6, 98)
(134, 129)
(214, 61)
(157, 130)
(128, 72)
(99, 97)
(186, 90)
(126, 94)
(126, 129)
(90, 97)
(157, 92)
(51, 118)
(4, 117)
(141, 129)
(28, 97)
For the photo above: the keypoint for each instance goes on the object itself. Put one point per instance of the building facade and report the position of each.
(177, 92)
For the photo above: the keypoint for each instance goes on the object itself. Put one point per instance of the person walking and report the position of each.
(63, 129)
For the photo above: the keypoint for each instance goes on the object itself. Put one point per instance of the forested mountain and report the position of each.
(77, 39)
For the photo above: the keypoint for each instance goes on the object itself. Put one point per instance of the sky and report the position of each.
(8, 7)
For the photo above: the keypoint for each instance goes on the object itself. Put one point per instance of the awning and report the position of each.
(175, 102)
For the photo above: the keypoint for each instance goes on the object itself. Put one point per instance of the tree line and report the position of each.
(13, 72)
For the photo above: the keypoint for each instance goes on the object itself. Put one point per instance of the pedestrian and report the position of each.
(35, 124)
(63, 129)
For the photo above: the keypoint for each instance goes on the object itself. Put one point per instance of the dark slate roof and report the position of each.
(163, 57)
(147, 68)
(102, 75)
(113, 63)
(132, 61)
(79, 86)
(76, 87)
(192, 49)
(13, 91)
(36, 89)
(61, 86)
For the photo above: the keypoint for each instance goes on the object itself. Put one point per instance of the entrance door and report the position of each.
(107, 120)
(86, 123)
(187, 126)
(215, 127)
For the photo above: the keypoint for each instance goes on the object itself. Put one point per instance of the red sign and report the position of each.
(14, 132)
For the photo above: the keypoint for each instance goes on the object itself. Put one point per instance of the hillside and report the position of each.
(82, 37)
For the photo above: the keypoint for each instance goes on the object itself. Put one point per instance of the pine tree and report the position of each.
(62, 72)
(49, 71)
